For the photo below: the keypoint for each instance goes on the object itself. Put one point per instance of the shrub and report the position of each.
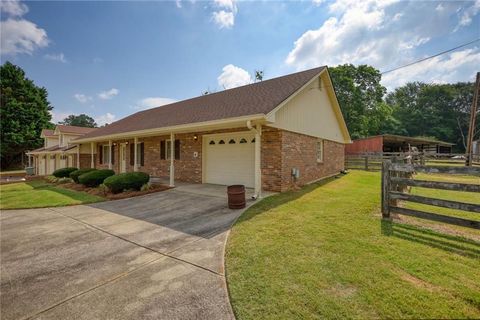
(77, 173)
(95, 178)
(63, 172)
(51, 179)
(126, 181)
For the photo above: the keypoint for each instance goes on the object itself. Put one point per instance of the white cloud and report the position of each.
(109, 94)
(21, 36)
(384, 34)
(59, 116)
(178, 3)
(233, 76)
(225, 18)
(468, 14)
(82, 98)
(318, 2)
(56, 57)
(153, 102)
(105, 118)
(453, 67)
(13, 8)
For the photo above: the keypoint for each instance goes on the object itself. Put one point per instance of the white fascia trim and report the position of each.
(175, 129)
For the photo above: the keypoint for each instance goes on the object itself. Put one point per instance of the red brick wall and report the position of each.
(300, 151)
(85, 161)
(281, 151)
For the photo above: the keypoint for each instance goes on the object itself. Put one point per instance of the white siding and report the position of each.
(311, 112)
(51, 141)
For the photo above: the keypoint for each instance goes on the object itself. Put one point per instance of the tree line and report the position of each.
(416, 109)
(439, 111)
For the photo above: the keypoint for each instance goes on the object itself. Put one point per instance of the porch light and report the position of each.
(126, 142)
(195, 137)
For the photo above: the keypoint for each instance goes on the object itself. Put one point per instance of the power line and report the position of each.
(435, 55)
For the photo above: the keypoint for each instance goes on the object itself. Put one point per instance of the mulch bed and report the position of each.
(109, 195)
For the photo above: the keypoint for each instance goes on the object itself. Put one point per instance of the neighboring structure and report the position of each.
(58, 151)
(272, 135)
(394, 143)
(476, 147)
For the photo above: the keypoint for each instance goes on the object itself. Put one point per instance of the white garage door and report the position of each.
(41, 165)
(230, 159)
(51, 164)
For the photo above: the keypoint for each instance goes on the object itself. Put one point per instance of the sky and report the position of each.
(109, 59)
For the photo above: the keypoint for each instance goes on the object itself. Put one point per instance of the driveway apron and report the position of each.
(158, 256)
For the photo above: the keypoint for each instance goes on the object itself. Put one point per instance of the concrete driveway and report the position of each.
(158, 256)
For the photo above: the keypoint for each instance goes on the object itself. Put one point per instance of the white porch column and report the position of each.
(110, 154)
(258, 159)
(172, 157)
(92, 162)
(135, 164)
(78, 156)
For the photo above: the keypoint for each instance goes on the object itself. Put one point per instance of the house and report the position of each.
(395, 143)
(58, 151)
(272, 135)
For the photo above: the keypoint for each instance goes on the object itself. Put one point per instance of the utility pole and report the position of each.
(471, 128)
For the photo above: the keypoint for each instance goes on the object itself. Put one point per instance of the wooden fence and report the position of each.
(396, 177)
(373, 161)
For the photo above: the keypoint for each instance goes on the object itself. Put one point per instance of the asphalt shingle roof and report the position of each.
(258, 98)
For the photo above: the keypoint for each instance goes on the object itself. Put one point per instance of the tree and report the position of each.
(82, 120)
(360, 95)
(434, 110)
(24, 112)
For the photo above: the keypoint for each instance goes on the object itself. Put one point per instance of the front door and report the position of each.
(123, 158)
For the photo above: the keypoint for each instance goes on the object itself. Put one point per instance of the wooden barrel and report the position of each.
(236, 196)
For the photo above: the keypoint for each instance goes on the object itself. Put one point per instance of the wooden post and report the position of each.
(386, 189)
(471, 128)
(366, 163)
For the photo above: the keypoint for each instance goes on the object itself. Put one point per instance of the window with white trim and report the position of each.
(106, 154)
(139, 154)
(319, 150)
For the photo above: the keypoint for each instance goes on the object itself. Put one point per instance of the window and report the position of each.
(61, 140)
(165, 149)
(105, 154)
(140, 156)
(319, 150)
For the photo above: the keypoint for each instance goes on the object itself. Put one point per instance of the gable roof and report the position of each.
(254, 99)
(74, 129)
(47, 133)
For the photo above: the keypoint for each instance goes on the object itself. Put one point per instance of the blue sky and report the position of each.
(109, 59)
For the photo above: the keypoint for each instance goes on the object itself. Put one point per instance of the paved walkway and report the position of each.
(158, 256)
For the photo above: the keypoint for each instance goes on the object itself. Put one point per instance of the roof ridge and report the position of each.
(231, 89)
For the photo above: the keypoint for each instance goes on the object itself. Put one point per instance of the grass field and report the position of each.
(38, 194)
(323, 252)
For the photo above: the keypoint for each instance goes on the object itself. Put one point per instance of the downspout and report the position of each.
(258, 170)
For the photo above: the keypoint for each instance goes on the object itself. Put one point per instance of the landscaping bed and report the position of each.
(113, 196)
(324, 252)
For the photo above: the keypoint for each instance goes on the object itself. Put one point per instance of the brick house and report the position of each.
(272, 135)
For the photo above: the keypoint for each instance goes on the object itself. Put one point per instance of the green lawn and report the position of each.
(324, 253)
(38, 194)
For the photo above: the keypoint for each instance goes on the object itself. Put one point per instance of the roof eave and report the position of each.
(183, 128)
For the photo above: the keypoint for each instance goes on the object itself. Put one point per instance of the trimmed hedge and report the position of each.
(95, 178)
(126, 181)
(77, 173)
(63, 172)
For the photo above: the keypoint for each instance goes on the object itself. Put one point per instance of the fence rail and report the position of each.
(373, 161)
(396, 177)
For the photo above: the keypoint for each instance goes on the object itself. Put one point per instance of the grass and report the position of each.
(323, 252)
(39, 194)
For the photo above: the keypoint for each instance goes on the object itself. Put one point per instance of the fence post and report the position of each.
(366, 163)
(386, 189)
